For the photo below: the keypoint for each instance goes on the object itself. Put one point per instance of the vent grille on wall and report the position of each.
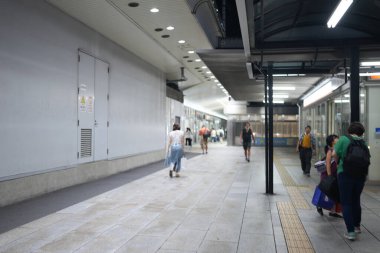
(85, 143)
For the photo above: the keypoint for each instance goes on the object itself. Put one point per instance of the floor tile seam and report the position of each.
(60, 235)
(245, 207)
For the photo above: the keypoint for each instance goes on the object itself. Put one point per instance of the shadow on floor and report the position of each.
(18, 214)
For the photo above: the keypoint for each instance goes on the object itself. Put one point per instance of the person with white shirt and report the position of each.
(175, 149)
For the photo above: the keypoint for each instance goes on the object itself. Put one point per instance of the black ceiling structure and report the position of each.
(293, 34)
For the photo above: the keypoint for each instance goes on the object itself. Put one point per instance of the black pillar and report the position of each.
(354, 88)
(266, 136)
(270, 127)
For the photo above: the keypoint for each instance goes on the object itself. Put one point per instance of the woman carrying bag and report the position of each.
(331, 170)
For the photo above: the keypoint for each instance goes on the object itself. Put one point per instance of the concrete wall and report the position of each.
(38, 102)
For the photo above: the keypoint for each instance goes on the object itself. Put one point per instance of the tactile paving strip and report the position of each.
(298, 200)
(294, 232)
(287, 180)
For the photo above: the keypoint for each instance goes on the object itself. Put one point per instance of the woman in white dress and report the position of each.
(175, 149)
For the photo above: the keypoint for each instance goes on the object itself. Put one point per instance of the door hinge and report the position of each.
(108, 69)
(107, 151)
(78, 122)
(78, 90)
(108, 97)
(108, 123)
(78, 155)
(78, 57)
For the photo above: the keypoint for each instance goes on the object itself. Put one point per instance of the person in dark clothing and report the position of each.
(331, 169)
(305, 147)
(350, 187)
(246, 136)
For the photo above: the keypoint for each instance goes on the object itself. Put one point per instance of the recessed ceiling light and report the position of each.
(208, 72)
(165, 36)
(154, 10)
(170, 28)
(197, 60)
(216, 81)
(204, 67)
(158, 29)
(191, 52)
(212, 77)
(133, 4)
(181, 41)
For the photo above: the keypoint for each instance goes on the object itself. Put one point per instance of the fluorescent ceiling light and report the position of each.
(370, 63)
(170, 28)
(191, 52)
(216, 81)
(370, 74)
(348, 95)
(197, 60)
(338, 13)
(218, 84)
(280, 75)
(204, 67)
(292, 74)
(276, 101)
(154, 10)
(341, 101)
(212, 77)
(318, 94)
(208, 72)
(284, 88)
(181, 41)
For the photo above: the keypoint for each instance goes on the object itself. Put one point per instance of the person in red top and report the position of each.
(204, 133)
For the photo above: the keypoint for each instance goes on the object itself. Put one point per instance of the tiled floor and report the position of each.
(217, 205)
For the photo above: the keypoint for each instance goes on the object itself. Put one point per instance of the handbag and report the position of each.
(329, 186)
(321, 200)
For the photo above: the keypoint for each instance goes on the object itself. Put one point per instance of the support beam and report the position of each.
(270, 127)
(354, 89)
(266, 134)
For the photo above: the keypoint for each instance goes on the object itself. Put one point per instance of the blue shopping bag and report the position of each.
(321, 200)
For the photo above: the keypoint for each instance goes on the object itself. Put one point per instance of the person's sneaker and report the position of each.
(358, 230)
(248, 160)
(170, 173)
(176, 174)
(350, 236)
(308, 174)
(336, 215)
(319, 210)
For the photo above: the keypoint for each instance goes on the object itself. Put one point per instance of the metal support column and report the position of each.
(270, 127)
(354, 88)
(266, 135)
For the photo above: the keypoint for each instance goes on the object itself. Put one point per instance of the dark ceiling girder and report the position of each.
(316, 43)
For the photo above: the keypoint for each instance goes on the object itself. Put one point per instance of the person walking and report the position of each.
(354, 158)
(331, 169)
(175, 149)
(204, 134)
(213, 135)
(188, 137)
(246, 136)
(305, 147)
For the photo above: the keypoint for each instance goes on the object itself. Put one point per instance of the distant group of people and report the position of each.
(347, 161)
(177, 140)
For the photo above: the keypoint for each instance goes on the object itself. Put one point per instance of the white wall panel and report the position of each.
(374, 139)
(38, 91)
